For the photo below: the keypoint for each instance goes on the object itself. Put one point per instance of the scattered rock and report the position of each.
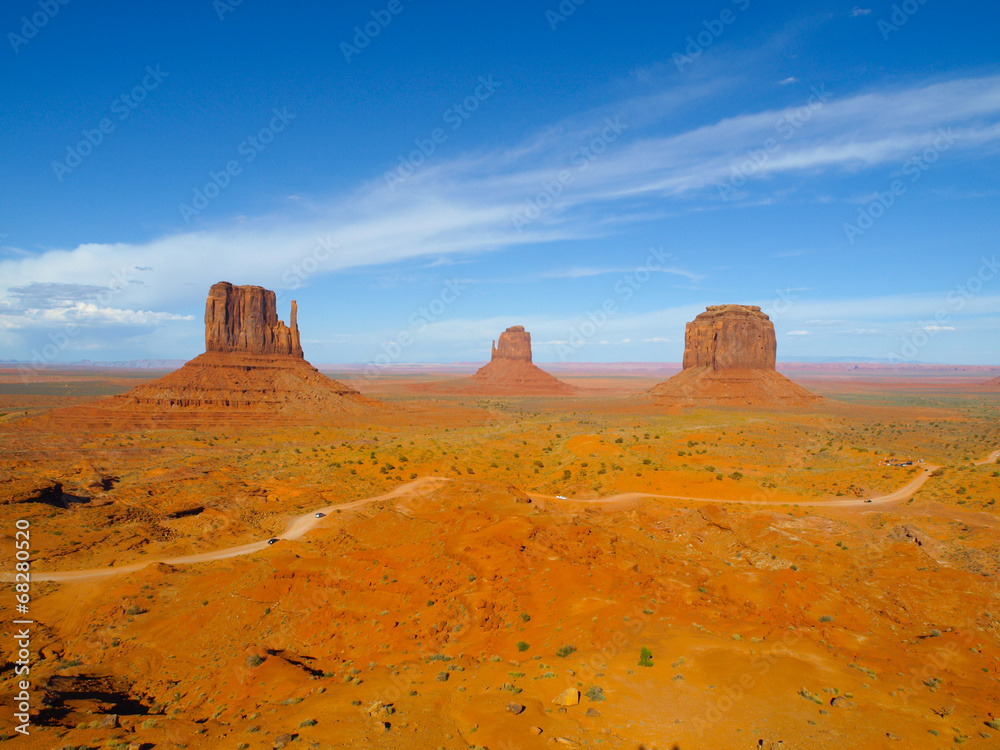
(382, 726)
(569, 697)
(565, 741)
(535, 730)
(841, 702)
(282, 740)
(380, 710)
(593, 712)
(515, 708)
(110, 721)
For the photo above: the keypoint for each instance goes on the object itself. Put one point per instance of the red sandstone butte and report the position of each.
(253, 368)
(511, 371)
(729, 360)
(730, 337)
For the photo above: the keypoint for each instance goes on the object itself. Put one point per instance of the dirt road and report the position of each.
(300, 525)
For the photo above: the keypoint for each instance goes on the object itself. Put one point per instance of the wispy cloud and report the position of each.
(580, 273)
(463, 206)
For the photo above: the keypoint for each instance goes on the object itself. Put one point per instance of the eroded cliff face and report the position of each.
(515, 344)
(245, 319)
(730, 337)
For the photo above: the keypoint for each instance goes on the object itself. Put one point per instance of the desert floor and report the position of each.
(705, 578)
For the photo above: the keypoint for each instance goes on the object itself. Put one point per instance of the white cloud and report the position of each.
(790, 79)
(860, 12)
(463, 206)
(797, 333)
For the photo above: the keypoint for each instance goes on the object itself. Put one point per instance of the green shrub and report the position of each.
(565, 651)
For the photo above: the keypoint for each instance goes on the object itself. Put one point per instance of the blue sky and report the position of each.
(432, 173)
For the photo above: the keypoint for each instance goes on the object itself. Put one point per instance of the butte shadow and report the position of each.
(729, 360)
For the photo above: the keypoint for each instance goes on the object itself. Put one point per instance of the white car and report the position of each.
(561, 497)
(321, 515)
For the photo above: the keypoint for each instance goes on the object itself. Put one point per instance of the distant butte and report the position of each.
(729, 360)
(511, 371)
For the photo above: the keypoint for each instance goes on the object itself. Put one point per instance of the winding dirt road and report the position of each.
(301, 525)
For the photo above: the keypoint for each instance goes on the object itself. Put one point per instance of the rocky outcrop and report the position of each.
(253, 367)
(729, 360)
(515, 344)
(511, 371)
(730, 337)
(245, 319)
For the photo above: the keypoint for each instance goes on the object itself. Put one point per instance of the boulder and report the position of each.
(568, 697)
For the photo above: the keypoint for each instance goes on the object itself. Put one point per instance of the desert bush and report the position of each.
(645, 657)
(565, 651)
